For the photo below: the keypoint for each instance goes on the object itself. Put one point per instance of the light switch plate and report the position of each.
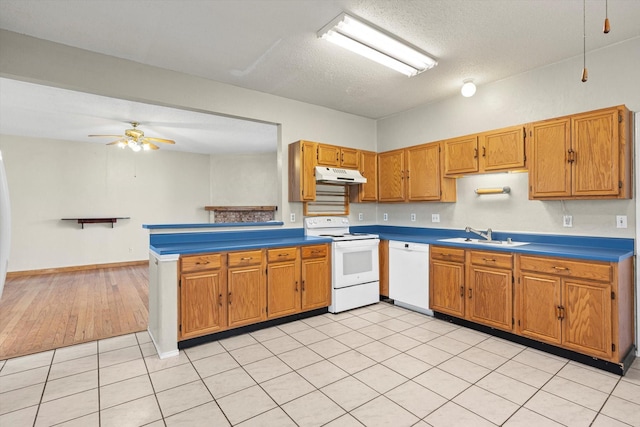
(567, 221)
(621, 221)
(435, 217)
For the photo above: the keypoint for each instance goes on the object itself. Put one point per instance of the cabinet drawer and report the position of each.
(281, 254)
(447, 254)
(491, 259)
(201, 262)
(316, 251)
(239, 259)
(564, 267)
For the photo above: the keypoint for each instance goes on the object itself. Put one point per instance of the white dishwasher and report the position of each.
(409, 275)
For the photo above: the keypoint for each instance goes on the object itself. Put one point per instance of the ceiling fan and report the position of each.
(134, 138)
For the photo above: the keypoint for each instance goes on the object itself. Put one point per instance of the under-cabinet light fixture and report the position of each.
(373, 43)
(503, 190)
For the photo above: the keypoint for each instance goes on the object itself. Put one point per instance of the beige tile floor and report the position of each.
(375, 366)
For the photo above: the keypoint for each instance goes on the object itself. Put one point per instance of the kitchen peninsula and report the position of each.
(210, 278)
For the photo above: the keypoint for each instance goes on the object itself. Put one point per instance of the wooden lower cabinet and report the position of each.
(202, 310)
(202, 291)
(316, 277)
(490, 289)
(383, 262)
(582, 306)
(283, 282)
(246, 297)
(447, 280)
(229, 290)
(579, 305)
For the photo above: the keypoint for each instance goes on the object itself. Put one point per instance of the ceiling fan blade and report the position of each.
(115, 142)
(164, 141)
(152, 146)
(110, 136)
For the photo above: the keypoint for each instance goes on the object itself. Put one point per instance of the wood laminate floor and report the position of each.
(44, 312)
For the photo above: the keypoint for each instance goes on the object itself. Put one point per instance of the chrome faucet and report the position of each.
(486, 235)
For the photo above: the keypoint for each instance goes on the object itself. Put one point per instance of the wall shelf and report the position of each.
(83, 221)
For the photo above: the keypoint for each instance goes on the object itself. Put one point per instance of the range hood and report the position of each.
(328, 175)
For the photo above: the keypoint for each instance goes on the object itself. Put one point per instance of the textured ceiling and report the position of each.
(271, 45)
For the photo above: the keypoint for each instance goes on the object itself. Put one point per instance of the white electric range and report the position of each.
(355, 274)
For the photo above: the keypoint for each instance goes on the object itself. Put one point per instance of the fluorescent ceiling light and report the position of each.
(377, 45)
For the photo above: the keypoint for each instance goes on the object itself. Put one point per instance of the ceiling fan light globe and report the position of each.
(135, 148)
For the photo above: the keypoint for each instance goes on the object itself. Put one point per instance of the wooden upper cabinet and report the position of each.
(502, 149)
(493, 151)
(595, 158)
(461, 155)
(414, 174)
(549, 171)
(343, 157)
(302, 164)
(583, 156)
(328, 155)
(423, 172)
(368, 167)
(391, 169)
(349, 158)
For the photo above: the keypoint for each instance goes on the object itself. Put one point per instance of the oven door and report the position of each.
(355, 262)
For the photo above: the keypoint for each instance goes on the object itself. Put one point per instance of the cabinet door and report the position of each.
(446, 287)
(391, 176)
(316, 283)
(423, 172)
(328, 155)
(461, 155)
(202, 302)
(549, 167)
(538, 314)
(490, 297)
(308, 171)
(586, 327)
(594, 139)
(349, 158)
(283, 289)
(246, 299)
(369, 169)
(383, 263)
(503, 149)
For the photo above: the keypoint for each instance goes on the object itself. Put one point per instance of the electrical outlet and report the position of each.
(435, 217)
(413, 217)
(567, 221)
(385, 216)
(360, 216)
(621, 221)
(293, 217)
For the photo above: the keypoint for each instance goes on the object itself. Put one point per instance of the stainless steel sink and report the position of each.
(483, 242)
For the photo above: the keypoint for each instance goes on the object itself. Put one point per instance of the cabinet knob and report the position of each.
(229, 298)
(462, 291)
(470, 293)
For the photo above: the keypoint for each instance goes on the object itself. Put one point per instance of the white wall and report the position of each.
(49, 180)
(38, 61)
(244, 180)
(552, 91)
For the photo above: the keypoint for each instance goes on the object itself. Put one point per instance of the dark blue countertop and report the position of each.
(219, 241)
(578, 247)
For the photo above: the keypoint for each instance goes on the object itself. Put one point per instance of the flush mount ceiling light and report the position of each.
(468, 88)
(376, 44)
